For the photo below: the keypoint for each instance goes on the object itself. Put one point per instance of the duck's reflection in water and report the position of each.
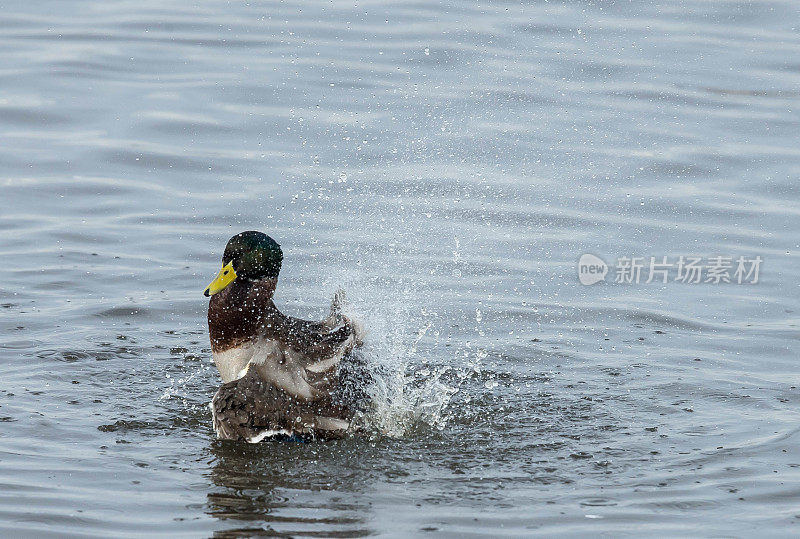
(291, 488)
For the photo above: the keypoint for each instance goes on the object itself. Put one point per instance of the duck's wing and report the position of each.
(302, 360)
(318, 347)
(277, 367)
(300, 357)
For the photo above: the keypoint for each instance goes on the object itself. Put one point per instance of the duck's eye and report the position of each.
(226, 272)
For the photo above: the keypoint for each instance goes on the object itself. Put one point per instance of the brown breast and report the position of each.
(238, 313)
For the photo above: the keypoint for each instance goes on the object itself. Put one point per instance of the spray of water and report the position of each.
(407, 391)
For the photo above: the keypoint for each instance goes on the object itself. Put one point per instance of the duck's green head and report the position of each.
(249, 255)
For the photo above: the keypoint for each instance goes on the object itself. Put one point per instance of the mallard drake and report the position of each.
(280, 374)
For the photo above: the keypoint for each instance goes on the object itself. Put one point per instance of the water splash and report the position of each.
(183, 386)
(408, 392)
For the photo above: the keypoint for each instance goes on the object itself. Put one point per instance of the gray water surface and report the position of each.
(447, 164)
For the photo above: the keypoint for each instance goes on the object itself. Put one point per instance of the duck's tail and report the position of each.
(337, 307)
(338, 303)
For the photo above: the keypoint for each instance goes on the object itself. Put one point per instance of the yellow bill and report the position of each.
(225, 277)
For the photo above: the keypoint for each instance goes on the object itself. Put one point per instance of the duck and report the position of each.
(282, 377)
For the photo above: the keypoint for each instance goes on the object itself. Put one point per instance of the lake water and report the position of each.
(447, 164)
